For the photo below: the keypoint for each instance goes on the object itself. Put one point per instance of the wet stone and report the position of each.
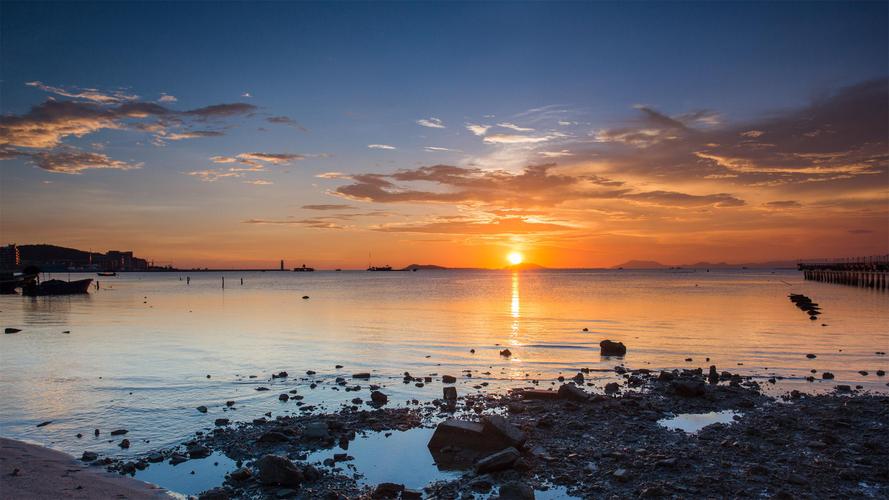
(611, 348)
(497, 461)
(275, 470)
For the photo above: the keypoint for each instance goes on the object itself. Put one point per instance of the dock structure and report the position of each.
(866, 272)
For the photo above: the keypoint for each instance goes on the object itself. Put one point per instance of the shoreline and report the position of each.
(37, 472)
(587, 444)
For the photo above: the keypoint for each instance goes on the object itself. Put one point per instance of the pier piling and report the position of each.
(864, 272)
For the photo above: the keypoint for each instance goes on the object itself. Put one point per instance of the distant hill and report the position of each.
(524, 266)
(424, 267)
(650, 264)
(43, 253)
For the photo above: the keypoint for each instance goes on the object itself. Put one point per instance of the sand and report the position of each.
(44, 473)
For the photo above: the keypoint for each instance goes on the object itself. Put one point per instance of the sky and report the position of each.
(342, 134)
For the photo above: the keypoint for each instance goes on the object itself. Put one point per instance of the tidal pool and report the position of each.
(692, 423)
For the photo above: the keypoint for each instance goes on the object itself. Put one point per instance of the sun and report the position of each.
(515, 258)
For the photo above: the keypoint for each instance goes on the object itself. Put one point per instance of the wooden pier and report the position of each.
(866, 272)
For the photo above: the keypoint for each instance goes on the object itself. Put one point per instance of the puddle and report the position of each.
(208, 473)
(402, 457)
(694, 422)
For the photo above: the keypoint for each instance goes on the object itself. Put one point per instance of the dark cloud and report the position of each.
(784, 204)
(538, 185)
(327, 207)
(75, 161)
(286, 120)
(222, 110)
(507, 225)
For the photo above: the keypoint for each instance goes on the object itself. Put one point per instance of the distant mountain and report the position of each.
(424, 267)
(42, 254)
(641, 264)
(650, 264)
(524, 266)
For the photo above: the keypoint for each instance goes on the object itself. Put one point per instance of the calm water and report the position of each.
(140, 348)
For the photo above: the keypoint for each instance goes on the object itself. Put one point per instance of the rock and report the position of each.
(273, 437)
(316, 430)
(844, 388)
(119, 432)
(275, 470)
(202, 409)
(89, 456)
(612, 387)
(379, 398)
(573, 393)
(689, 388)
(44, 424)
(199, 451)
(621, 475)
(713, 376)
(495, 425)
(450, 392)
(827, 376)
(279, 375)
(11, 330)
(516, 408)
(506, 353)
(539, 394)
(811, 356)
(177, 458)
(241, 474)
(407, 494)
(863, 373)
(578, 379)
(217, 493)
(221, 421)
(497, 461)
(463, 434)
(881, 373)
(305, 297)
(448, 379)
(283, 397)
(515, 490)
(363, 375)
(155, 458)
(124, 444)
(388, 490)
(611, 348)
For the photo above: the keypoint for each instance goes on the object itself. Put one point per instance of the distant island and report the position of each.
(651, 264)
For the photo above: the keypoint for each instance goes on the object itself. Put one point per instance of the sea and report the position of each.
(142, 350)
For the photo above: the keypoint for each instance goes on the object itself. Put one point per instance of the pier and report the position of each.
(865, 272)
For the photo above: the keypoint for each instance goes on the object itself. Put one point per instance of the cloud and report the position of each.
(259, 182)
(213, 175)
(674, 199)
(316, 223)
(286, 120)
(167, 98)
(476, 129)
(555, 154)
(380, 146)
(783, 204)
(502, 225)
(74, 161)
(192, 134)
(436, 149)
(518, 139)
(247, 95)
(327, 207)
(94, 95)
(430, 123)
(45, 125)
(515, 127)
(274, 158)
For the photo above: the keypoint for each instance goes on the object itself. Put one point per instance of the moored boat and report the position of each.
(107, 273)
(57, 287)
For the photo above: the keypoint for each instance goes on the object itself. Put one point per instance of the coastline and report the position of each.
(36, 472)
(566, 440)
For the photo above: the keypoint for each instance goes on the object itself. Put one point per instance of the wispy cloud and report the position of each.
(477, 129)
(380, 146)
(166, 98)
(436, 149)
(430, 123)
(74, 161)
(94, 95)
(328, 207)
(286, 120)
(515, 127)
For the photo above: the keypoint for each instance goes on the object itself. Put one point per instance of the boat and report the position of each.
(10, 280)
(107, 273)
(379, 268)
(57, 287)
(303, 269)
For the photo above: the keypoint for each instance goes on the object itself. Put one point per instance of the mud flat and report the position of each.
(31, 471)
(650, 436)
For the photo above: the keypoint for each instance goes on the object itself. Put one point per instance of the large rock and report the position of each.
(379, 398)
(611, 348)
(516, 491)
(499, 427)
(539, 394)
(497, 461)
(450, 392)
(316, 430)
(275, 470)
(473, 436)
(689, 388)
(572, 393)
(388, 490)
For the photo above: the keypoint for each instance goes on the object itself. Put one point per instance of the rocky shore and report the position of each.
(615, 444)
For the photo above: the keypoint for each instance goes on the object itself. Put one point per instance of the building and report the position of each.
(10, 257)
